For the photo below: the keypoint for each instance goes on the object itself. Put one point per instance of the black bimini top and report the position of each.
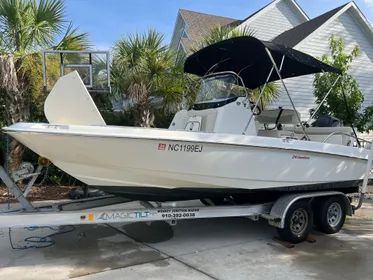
(247, 57)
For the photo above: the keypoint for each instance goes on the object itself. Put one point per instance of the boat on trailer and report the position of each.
(295, 176)
(219, 148)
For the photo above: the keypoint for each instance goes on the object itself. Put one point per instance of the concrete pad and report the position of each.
(165, 269)
(190, 236)
(328, 258)
(358, 227)
(81, 251)
(365, 213)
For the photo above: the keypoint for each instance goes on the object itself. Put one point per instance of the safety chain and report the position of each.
(44, 177)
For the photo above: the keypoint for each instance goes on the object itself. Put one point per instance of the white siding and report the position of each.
(273, 21)
(317, 44)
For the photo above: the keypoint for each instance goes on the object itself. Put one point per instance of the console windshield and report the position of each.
(219, 88)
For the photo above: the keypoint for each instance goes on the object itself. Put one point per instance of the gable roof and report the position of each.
(199, 24)
(258, 11)
(272, 4)
(293, 36)
(364, 22)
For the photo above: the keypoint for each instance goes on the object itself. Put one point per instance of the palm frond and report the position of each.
(271, 94)
(143, 61)
(51, 12)
(48, 21)
(73, 40)
(169, 92)
(29, 25)
(15, 21)
(221, 33)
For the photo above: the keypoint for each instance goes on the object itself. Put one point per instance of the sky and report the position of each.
(108, 20)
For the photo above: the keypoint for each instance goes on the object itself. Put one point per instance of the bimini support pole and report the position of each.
(287, 92)
(366, 177)
(257, 102)
(323, 100)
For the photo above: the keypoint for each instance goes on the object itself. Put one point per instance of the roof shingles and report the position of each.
(199, 24)
(294, 36)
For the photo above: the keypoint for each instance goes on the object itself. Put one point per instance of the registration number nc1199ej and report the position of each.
(180, 148)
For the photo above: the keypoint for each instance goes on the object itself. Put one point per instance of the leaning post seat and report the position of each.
(319, 134)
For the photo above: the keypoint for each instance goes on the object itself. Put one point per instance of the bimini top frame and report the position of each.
(255, 61)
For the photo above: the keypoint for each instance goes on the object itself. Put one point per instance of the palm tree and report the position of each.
(26, 27)
(220, 33)
(148, 73)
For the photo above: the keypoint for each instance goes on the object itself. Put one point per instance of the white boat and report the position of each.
(219, 148)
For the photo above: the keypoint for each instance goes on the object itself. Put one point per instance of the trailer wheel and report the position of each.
(298, 222)
(330, 215)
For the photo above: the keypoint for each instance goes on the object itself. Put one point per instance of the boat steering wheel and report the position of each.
(258, 110)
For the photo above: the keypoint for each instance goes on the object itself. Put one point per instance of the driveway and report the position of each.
(221, 248)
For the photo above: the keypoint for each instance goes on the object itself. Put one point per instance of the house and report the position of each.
(284, 22)
(191, 26)
(270, 21)
(312, 37)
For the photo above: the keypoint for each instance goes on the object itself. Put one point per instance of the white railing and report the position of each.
(346, 134)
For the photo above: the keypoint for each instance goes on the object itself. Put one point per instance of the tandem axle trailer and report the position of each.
(294, 215)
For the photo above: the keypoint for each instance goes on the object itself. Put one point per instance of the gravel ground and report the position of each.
(368, 194)
(39, 193)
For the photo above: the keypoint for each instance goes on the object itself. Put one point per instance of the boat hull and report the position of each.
(127, 163)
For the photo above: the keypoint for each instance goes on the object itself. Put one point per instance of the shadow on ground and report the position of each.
(88, 249)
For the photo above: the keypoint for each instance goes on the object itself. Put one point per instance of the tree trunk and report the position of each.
(144, 115)
(17, 104)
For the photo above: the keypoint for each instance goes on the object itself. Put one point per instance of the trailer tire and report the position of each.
(330, 214)
(298, 222)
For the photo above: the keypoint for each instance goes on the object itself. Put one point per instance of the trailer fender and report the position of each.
(280, 207)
